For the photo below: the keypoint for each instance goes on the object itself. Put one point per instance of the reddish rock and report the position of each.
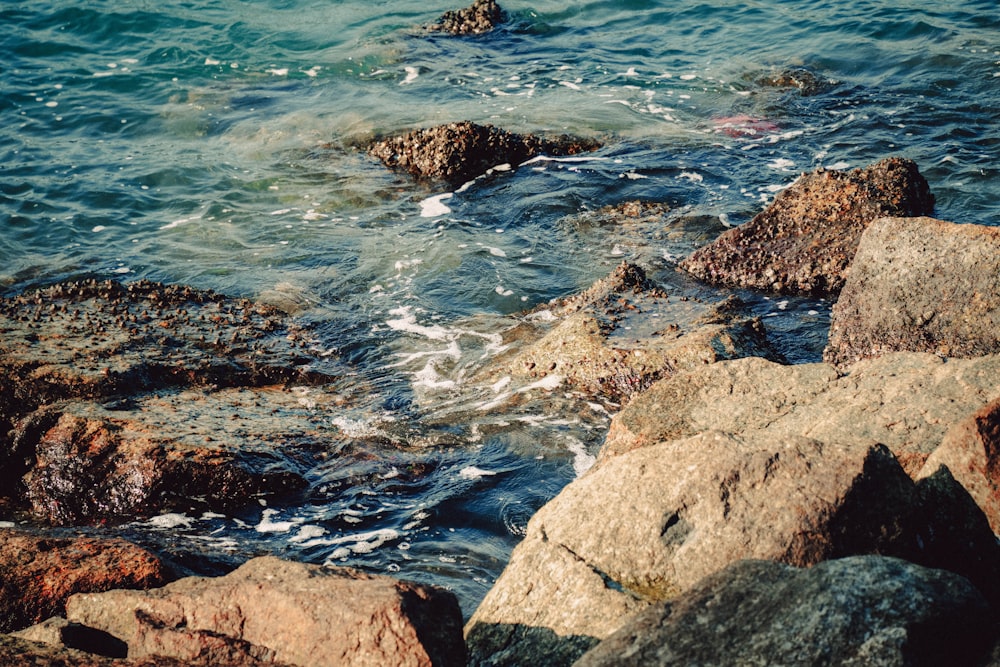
(919, 285)
(38, 574)
(458, 152)
(480, 17)
(805, 240)
(306, 615)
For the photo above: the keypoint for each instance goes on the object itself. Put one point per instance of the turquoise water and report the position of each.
(215, 144)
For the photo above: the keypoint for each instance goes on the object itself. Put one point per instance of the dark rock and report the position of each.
(624, 333)
(57, 631)
(806, 81)
(921, 285)
(306, 615)
(805, 240)
(458, 152)
(865, 610)
(481, 17)
(38, 574)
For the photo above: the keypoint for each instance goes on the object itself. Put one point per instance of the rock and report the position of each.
(805, 239)
(481, 17)
(57, 631)
(971, 451)
(623, 333)
(921, 285)
(301, 614)
(864, 610)
(646, 526)
(458, 152)
(806, 81)
(905, 400)
(38, 574)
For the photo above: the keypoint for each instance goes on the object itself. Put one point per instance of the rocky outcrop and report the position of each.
(906, 401)
(646, 526)
(270, 609)
(38, 574)
(864, 610)
(480, 17)
(921, 285)
(458, 152)
(624, 333)
(805, 239)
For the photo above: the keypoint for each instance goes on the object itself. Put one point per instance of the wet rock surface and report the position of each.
(623, 333)
(807, 82)
(805, 240)
(480, 17)
(864, 610)
(921, 285)
(38, 574)
(459, 152)
(306, 615)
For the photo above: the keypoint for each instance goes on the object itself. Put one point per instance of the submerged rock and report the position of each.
(270, 609)
(805, 240)
(864, 610)
(806, 81)
(38, 574)
(458, 152)
(920, 285)
(481, 17)
(624, 333)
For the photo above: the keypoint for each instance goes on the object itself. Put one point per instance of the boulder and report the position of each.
(804, 80)
(906, 401)
(971, 451)
(480, 17)
(459, 152)
(921, 285)
(805, 239)
(270, 609)
(646, 526)
(863, 610)
(38, 574)
(624, 333)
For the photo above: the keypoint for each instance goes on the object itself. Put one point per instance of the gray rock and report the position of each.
(865, 610)
(305, 615)
(646, 526)
(921, 285)
(805, 239)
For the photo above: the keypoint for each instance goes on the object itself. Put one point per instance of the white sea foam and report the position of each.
(308, 533)
(781, 164)
(411, 75)
(569, 84)
(432, 207)
(170, 521)
(582, 459)
(692, 176)
(266, 525)
(472, 472)
(408, 322)
(361, 543)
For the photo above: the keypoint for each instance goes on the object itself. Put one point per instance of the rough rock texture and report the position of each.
(905, 400)
(805, 240)
(482, 16)
(865, 610)
(922, 285)
(806, 81)
(458, 152)
(623, 333)
(38, 575)
(971, 451)
(301, 614)
(646, 526)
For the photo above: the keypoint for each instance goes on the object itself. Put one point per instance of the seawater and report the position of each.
(216, 144)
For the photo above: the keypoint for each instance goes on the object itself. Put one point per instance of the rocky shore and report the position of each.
(742, 510)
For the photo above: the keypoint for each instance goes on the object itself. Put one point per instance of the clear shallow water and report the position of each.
(214, 144)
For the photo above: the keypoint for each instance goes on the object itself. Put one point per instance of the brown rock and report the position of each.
(38, 574)
(864, 610)
(805, 240)
(481, 17)
(458, 152)
(305, 615)
(921, 285)
(806, 81)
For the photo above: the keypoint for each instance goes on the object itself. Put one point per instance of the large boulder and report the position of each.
(906, 401)
(458, 152)
(38, 574)
(622, 334)
(480, 17)
(805, 239)
(864, 610)
(921, 285)
(646, 526)
(271, 609)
